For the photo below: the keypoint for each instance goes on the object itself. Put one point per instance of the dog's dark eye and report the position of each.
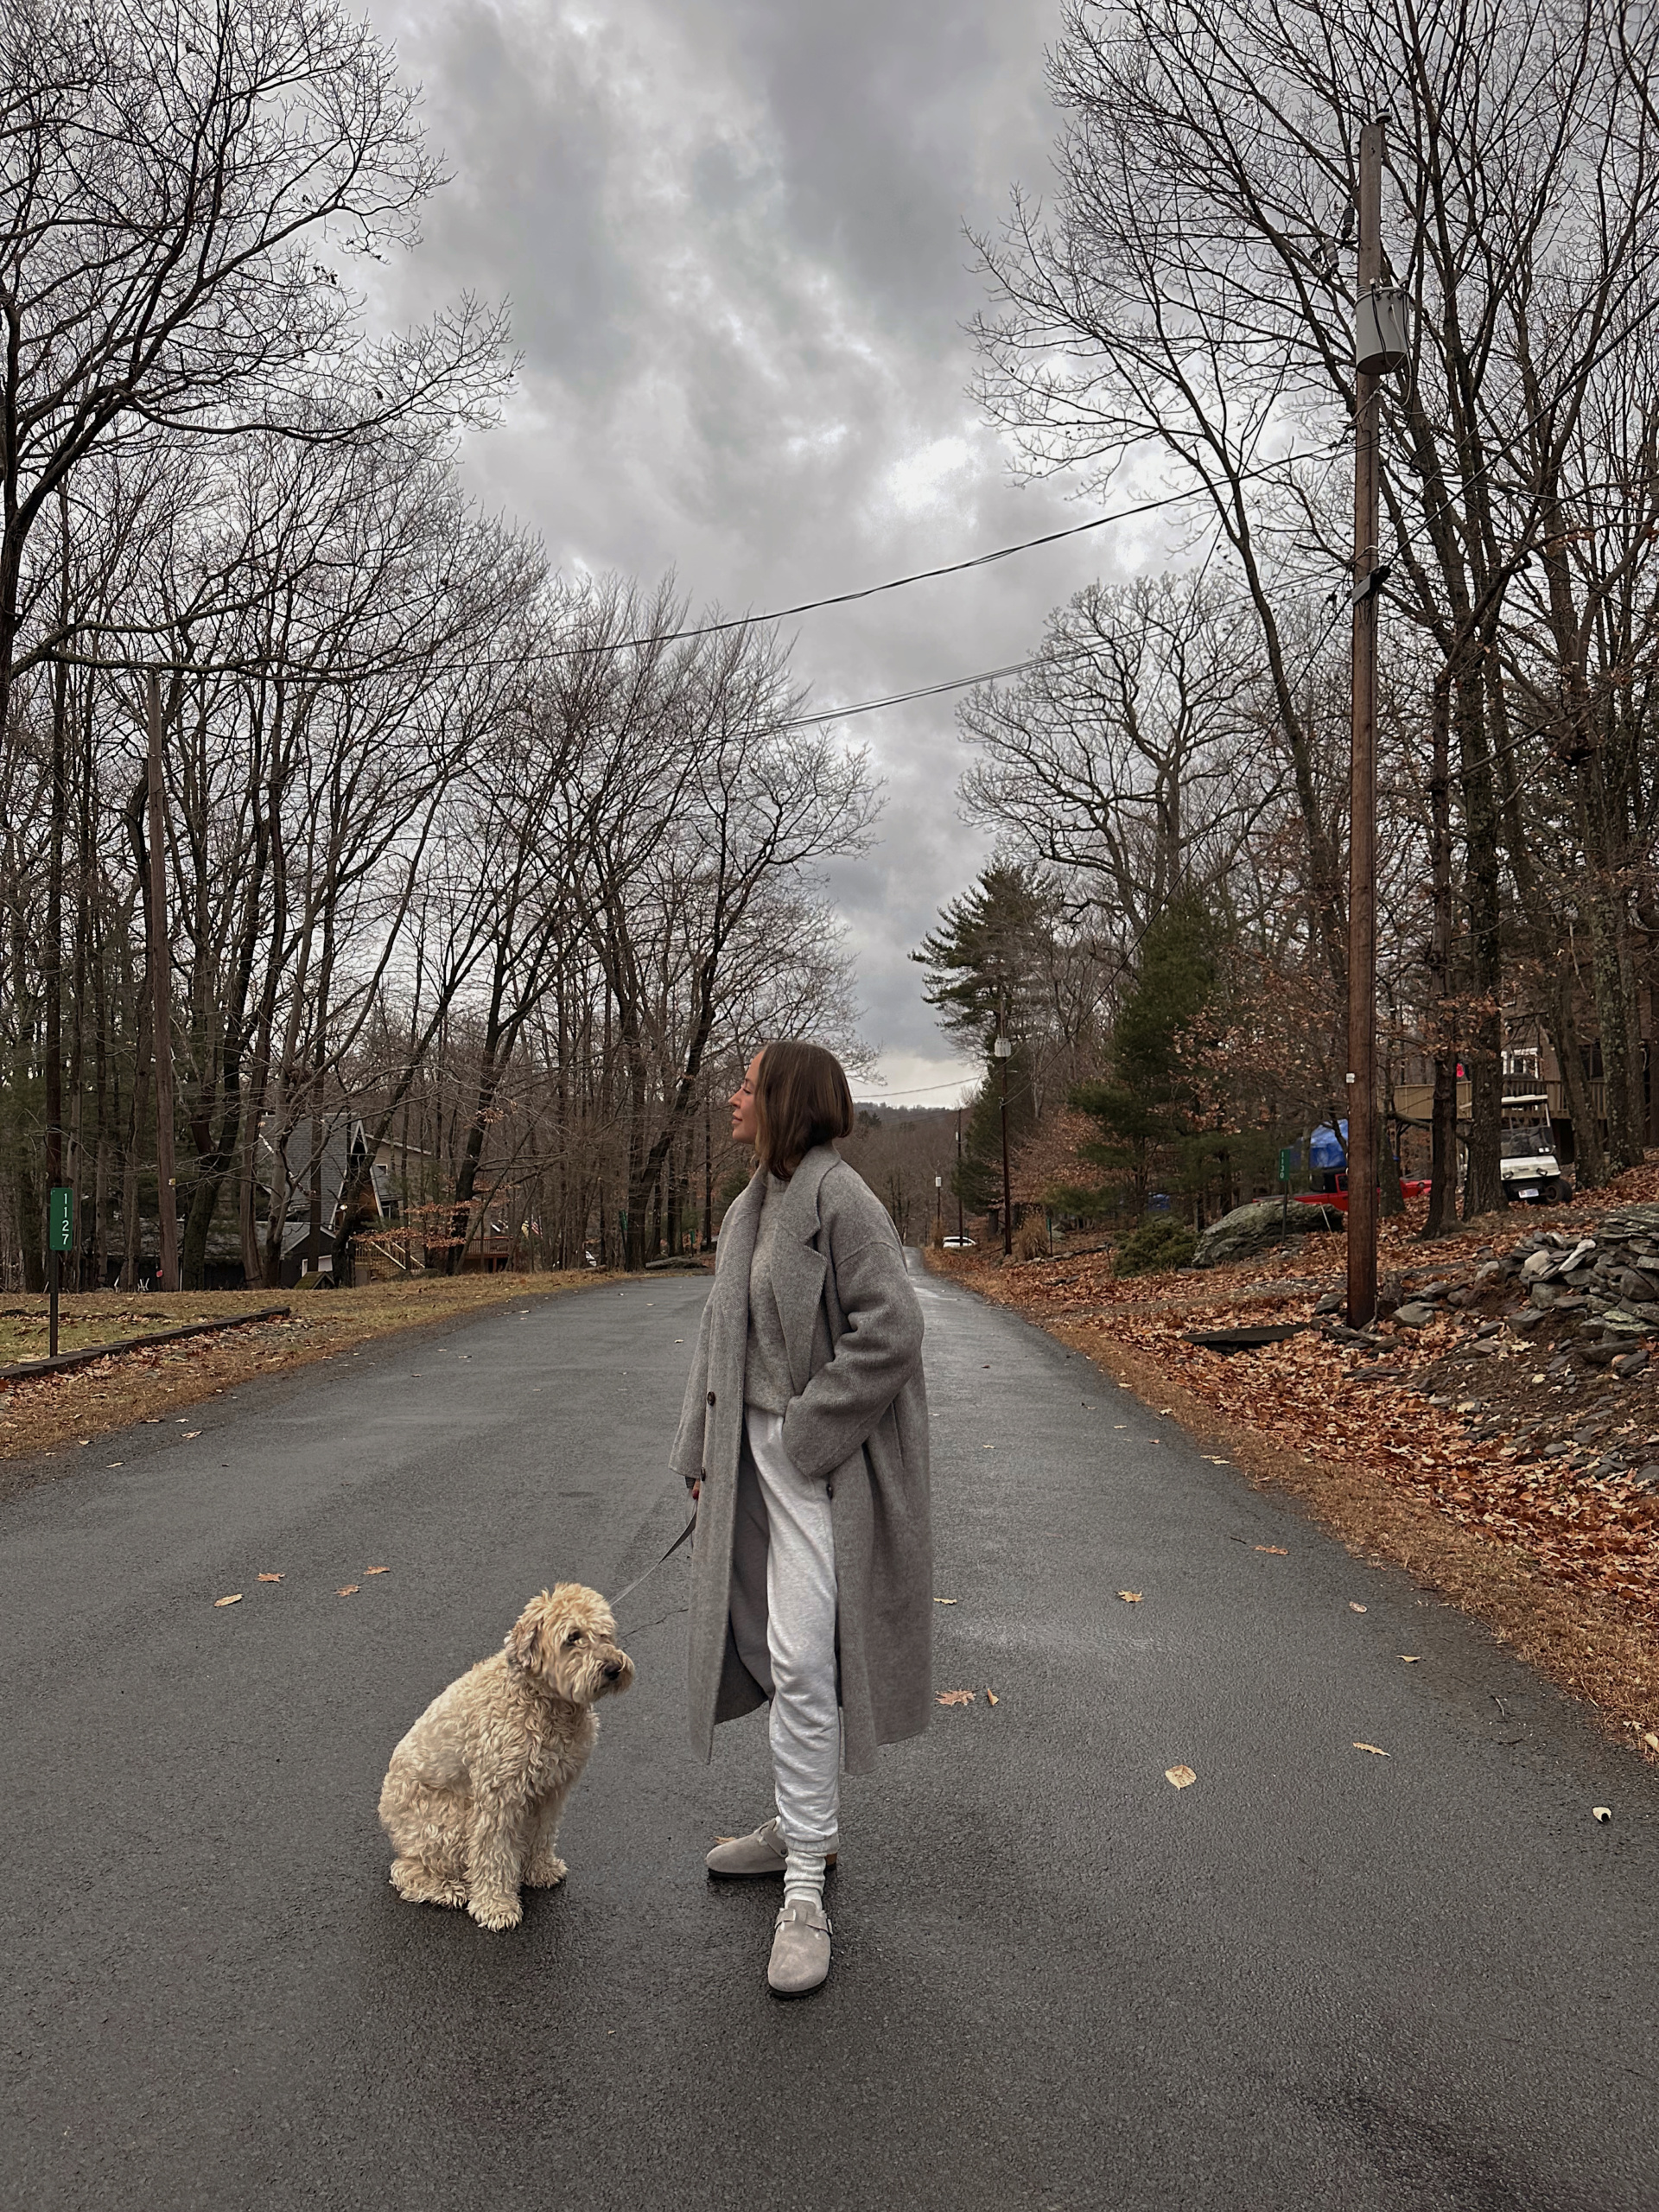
(575, 1636)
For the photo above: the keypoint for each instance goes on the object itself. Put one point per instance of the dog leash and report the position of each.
(682, 1538)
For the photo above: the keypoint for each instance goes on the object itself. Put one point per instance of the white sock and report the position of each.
(803, 1877)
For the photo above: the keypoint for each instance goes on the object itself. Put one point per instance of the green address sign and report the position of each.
(61, 1216)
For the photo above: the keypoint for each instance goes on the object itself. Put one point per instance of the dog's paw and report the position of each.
(418, 1885)
(496, 1912)
(544, 1873)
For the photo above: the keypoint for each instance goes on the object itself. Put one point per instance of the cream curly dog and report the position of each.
(473, 1796)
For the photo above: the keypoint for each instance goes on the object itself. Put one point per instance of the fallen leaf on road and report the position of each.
(270, 1578)
(377, 1570)
(1131, 1597)
(350, 1591)
(1411, 1657)
(1603, 1813)
(1179, 1776)
(114, 1463)
(235, 1599)
(1374, 1750)
(955, 1697)
(991, 1698)
(190, 1436)
(1651, 1740)
(947, 1601)
(1353, 1608)
(1278, 1550)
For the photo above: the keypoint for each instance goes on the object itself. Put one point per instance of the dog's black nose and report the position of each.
(613, 1672)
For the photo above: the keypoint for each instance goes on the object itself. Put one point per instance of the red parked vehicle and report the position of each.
(1337, 1199)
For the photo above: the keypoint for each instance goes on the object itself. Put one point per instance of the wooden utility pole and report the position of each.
(1362, 781)
(1004, 1052)
(962, 1235)
(161, 988)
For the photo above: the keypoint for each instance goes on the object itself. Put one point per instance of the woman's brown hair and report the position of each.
(801, 1099)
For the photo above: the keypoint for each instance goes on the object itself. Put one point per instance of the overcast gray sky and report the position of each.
(732, 235)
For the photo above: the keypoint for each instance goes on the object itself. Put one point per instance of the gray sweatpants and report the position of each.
(799, 1658)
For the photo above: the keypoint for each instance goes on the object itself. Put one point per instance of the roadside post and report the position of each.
(961, 1232)
(1288, 1163)
(1004, 1052)
(61, 1218)
(938, 1204)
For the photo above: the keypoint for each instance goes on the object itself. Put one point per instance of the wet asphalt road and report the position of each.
(1316, 1979)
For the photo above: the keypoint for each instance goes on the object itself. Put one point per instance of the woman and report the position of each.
(804, 1436)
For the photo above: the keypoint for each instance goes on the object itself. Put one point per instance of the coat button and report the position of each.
(711, 1397)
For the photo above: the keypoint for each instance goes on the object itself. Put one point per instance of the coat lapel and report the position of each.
(797, 1266)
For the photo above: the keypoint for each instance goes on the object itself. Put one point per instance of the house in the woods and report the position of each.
(1530, 1069)
(295, 1164)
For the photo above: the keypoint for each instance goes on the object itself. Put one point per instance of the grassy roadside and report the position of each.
(1384, 1447)
(64, 1416)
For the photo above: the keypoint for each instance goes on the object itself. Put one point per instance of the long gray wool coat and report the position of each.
(858, 1421)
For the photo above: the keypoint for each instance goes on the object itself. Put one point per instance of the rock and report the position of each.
(1648, 1477)
(1528, 1318)
(1556, 1450)
(1537, 1265)
(1629, 1284)
(1258, 1226)
(1632, 1363)
(1415, 1316)
(1543, 1295)
(1332, 1302)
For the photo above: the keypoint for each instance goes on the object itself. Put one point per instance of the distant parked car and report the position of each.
(958, 1243)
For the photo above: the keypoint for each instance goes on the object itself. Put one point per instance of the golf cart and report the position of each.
(1528, 1168)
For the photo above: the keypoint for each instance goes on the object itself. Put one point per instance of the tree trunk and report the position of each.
(1483, 1189)
(1443, 1113)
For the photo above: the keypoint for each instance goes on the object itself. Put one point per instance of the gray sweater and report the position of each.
(766, 1379)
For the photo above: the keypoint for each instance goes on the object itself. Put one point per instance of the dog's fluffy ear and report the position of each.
(529, 1643)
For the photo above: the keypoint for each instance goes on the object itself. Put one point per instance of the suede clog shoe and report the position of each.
(763, 1852)
(800, 1950)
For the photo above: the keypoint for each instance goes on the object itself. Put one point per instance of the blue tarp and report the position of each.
(1326, 1150)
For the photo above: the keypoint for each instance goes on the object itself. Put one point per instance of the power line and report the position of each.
(927, 576)
(923, 691)
(120, 666)
(921, 1090)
